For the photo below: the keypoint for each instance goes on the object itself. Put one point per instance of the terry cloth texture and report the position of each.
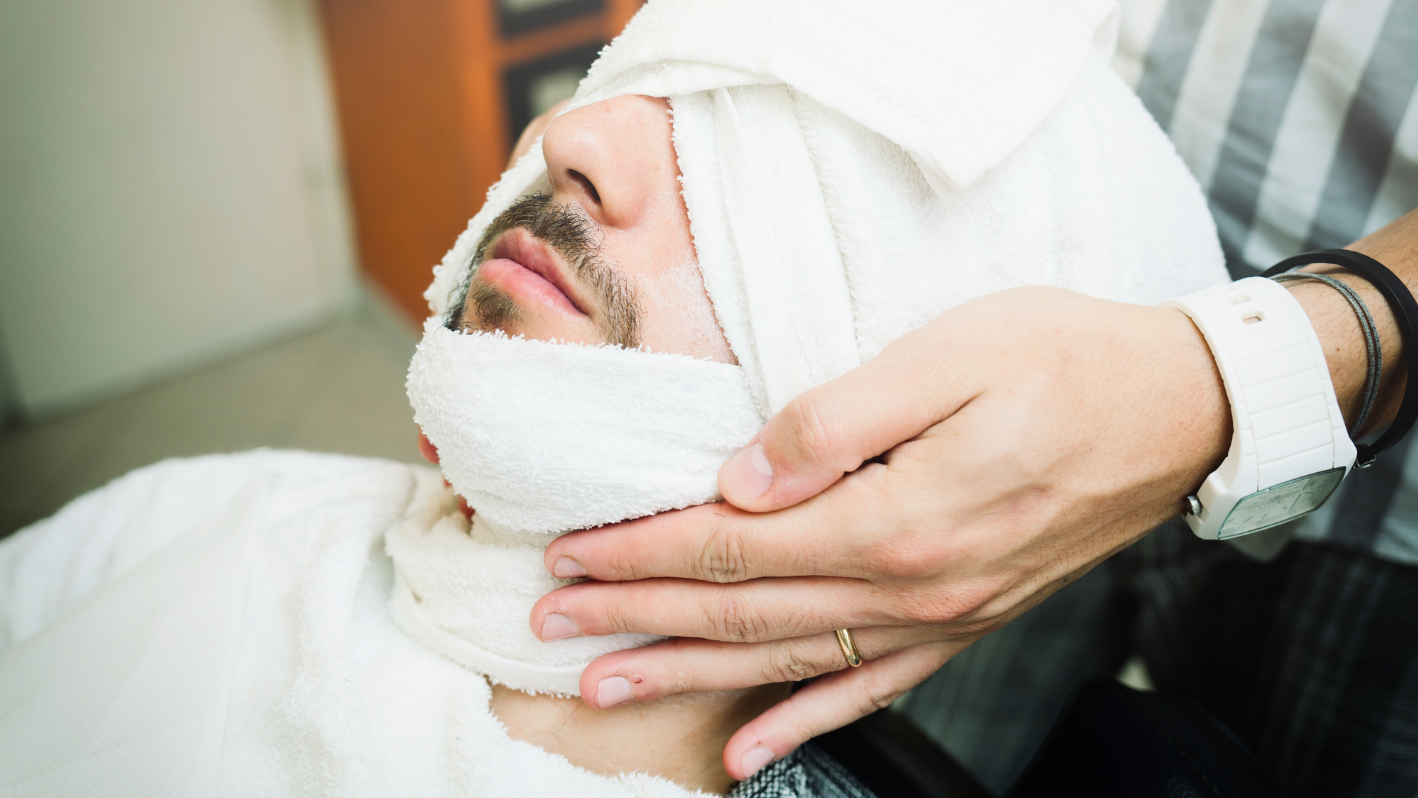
(466, 590)
(614, 434)
(220, 626)
(849, 175)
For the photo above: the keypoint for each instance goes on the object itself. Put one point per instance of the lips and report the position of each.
(525, 268)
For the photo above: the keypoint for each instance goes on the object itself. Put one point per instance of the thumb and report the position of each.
(835, 427)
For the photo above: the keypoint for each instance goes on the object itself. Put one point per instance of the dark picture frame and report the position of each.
(519, 79)
(513, 23)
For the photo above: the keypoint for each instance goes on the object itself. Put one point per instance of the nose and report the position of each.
(613, 158)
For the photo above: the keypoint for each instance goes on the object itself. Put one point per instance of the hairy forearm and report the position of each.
(1395, 246)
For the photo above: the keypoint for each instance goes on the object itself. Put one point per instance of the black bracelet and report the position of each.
(1405, 314)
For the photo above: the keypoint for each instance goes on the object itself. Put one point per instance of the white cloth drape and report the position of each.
(220, 627)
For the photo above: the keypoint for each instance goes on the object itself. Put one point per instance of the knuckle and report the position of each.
(723, 556)
(616, 619)
(624, 564)
(791, 661)
(674, 680)
(809, 435)
(734, 619)
(628, 562)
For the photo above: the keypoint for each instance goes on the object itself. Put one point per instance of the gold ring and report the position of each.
(849, 647)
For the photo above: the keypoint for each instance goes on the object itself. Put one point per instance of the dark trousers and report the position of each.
(1312, 659)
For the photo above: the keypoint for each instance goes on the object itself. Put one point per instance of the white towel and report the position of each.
(821, 242)
(525, 448)
(850, 172)
(466, 590)
(220, 627)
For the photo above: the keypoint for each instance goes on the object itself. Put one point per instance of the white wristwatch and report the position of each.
(1289, 449)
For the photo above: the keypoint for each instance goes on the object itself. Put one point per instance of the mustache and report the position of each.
(573, 236)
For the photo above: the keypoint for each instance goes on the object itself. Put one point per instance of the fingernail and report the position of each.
(749, 473)
(754, 760)
(558, 627)
(613, 690)
(567, 568)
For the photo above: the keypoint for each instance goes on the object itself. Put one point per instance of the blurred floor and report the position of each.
(337, 389)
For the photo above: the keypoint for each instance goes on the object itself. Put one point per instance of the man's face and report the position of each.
(607, 256)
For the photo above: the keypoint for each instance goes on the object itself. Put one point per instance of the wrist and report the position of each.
(1341, 339)
(1203, 429)
(1289, 448)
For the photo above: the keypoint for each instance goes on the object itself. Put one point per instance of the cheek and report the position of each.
(677, 313)
(658, 256)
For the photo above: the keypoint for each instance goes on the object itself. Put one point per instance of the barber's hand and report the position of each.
(923, 500)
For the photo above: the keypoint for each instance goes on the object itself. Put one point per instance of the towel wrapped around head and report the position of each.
(850, 172)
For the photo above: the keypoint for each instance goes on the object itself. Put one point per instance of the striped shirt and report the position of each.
(1298, 118)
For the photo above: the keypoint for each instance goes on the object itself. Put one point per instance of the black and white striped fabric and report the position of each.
(807, 772)
(1299, 119)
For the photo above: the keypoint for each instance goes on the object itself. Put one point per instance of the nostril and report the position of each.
(586, 185)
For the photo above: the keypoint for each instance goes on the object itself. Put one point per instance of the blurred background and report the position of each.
(217, 219)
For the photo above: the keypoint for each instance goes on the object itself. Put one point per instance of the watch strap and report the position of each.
(1286, 421)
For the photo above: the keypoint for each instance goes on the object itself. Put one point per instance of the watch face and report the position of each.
(1284, 502)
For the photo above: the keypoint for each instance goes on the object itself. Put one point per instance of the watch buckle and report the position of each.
(1194, 505)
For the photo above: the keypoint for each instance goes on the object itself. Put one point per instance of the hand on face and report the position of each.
(974, 467)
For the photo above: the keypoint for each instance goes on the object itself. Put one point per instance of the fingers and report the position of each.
(835, 427)
(764, 609)
(830, 535)
(830, 703)
(686, 665)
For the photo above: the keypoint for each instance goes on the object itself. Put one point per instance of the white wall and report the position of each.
(170, 189)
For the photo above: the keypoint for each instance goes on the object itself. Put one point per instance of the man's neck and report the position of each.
(680, 738)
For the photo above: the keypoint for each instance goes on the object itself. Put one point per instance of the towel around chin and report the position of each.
(542, 438)
(466, 591)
